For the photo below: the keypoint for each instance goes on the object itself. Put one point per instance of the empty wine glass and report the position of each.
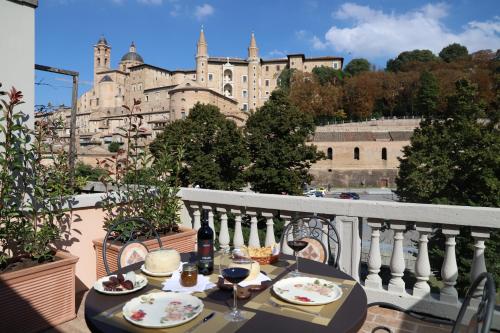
(295, 236)
(235, 267)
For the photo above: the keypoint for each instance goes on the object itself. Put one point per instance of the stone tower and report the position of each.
(102, 57)
(253, 74)
(131, 58)
(202, 60)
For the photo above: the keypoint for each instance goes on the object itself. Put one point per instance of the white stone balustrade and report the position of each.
(348, 214)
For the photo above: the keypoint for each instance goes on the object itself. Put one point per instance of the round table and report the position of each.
(349, 317)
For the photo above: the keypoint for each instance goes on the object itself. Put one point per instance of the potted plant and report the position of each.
(145, 187)
(37, 282)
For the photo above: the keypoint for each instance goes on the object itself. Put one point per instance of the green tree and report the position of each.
(327, 75)
(215, 154)
(276, 136)
(285, 79)
(408, 57)
(356, 66)
(89, 173)
(453, 52)
(113, 147)
(427, 94)
(454, 158)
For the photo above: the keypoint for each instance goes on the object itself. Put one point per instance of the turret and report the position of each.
(253, 74)
(102, 56)
(202, 60)
(131, 58)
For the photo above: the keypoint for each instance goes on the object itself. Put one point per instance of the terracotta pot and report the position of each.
(36, 298)
(183, 241)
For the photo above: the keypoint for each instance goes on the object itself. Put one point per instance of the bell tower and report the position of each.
(202, 60)
(102, 57)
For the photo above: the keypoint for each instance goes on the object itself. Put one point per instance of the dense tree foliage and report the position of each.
(454, 158)
(453, 52)
(215, 154)
(285, 79)
(327, 75)
(113, 147)
(427, 94)
(276, 134)
(356, 66)
(89, 173)
(405, 59)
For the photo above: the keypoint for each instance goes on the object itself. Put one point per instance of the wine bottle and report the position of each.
(205, 246)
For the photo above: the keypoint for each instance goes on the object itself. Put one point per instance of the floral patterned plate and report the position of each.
(307, 290)
(163, 309)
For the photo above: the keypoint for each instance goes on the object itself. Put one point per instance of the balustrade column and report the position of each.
(397, 264)
(270, 240)
(478, 264)
(253, 240)
(211, 219)
(196, 217)
(224, 230)
(238, 240)
(422, 265)
(287, 216)
(373, 280)
(449, 270)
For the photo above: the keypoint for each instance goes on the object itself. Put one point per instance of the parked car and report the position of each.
(319, 194)
(349, 195)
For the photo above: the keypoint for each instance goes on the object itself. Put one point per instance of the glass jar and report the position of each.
(189, 275)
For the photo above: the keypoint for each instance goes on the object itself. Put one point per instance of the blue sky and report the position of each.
(165, 31)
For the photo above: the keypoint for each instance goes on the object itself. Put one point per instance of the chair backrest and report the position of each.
(323, 237)
(130, 233)
(482, 318)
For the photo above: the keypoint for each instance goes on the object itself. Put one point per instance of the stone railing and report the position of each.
(350, 217)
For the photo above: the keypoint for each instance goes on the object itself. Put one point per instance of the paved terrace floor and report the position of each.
(397, 322)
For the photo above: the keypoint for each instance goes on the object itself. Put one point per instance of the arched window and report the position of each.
(228, 90)
(228, 75)
(330, 153)
(356, 153)
(384, 154)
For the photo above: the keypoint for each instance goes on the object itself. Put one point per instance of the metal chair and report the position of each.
(322, 230)
(480, 321)
(128, 232)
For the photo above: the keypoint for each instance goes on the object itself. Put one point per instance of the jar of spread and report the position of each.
(189, 275)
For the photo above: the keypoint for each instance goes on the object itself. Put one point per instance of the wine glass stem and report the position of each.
(235, 305)
(296, 262)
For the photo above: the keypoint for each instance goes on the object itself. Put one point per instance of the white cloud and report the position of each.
(203, 11)
(374, 33)
(277, 53)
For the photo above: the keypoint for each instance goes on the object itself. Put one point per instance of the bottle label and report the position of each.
(205, 251)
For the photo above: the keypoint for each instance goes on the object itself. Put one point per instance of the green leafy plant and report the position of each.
(35, 187)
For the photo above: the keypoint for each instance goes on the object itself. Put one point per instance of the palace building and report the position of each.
(235, 85)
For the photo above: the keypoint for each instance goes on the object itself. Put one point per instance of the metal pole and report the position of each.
(72, 133)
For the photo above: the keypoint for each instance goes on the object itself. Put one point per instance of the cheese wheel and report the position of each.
(162, 261)
(254, 268)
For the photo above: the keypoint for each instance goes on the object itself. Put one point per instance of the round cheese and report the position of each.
(162, 261)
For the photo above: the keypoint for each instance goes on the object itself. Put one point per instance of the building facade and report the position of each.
(235, 85)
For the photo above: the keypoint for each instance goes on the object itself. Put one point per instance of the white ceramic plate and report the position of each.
(307, 290)
(140, 282)
(163, 309)
(144, 270)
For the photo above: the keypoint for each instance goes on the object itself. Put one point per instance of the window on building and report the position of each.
(329, 153)
(210, 76)
(98, 61)
(97, 101)
(147, 98)
(356, 153)
(244, 79)
(384, 154)
(267, 68)
(293, 63)
(245, 107)
(183, 115)
(244, 93)
(267, 93)
(335, 65)
(267, 83)
(277, 67)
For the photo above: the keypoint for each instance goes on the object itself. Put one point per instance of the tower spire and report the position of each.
(253, 50)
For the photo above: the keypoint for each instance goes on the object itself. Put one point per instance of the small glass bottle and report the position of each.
(189, 275)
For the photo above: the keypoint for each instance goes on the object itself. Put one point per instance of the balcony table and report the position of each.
(348, 318)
